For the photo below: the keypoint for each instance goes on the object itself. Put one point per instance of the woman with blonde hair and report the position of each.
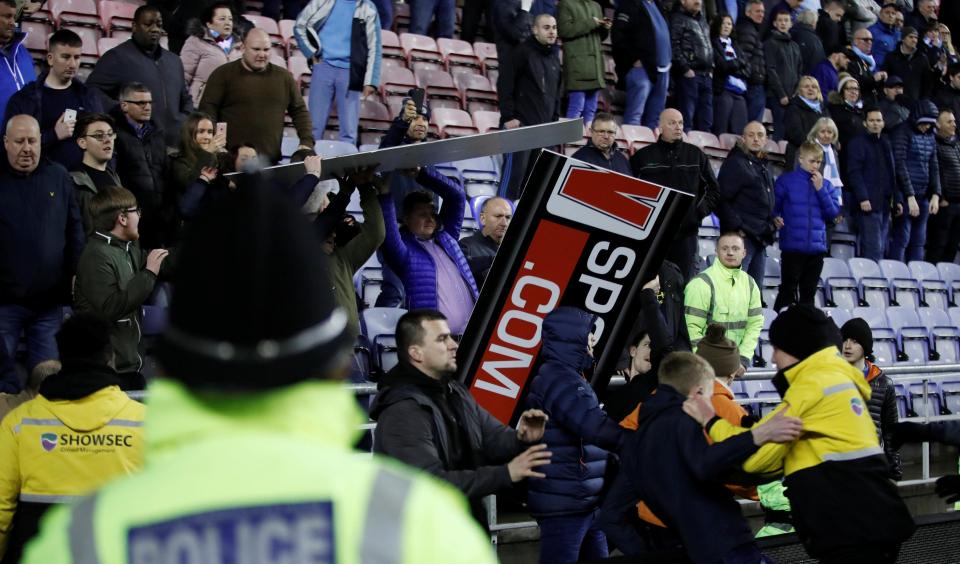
(805, 108)
(824, 134)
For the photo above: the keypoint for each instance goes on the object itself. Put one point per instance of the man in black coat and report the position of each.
(943, 227)
(511, 23)
(746, 198)
(805, 36)
(427, 419)
(481, 248)
(750, 41)
(947, 95)
(530, 95)
(863, 67)
(676, 164)
(142, 162)
(893, 104)
(909, 63)
(692, 65)
(830, 25)
(602, 148)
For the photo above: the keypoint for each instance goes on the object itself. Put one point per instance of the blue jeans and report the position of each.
(422, 12)
(695, 98)
(645, 99)
(910, 234)
(756, 102)
(571, 538)
(583, 103)
(331, 84)
(755, 263)
(40, 328)
(385, 11)
(873, 230)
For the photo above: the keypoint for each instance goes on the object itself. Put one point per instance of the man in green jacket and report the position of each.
(582, 27)
(115, 277)
(727, 295)
(250, 429)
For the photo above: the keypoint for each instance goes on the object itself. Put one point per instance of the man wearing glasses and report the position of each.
(95, 136)
(865, 66)
(41, 237)
(602, 148)
(142, 159)
(115, 276)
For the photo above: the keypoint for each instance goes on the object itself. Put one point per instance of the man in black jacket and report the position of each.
(805, 36)
(947, 95)
(750, 41)
(511, 23)
(38, 250)
(692, 65)
(863, 66)
(673, 163)
(830, 24)
(784, 69)
(480, 248)
(746, 198)
(943, 228)
(429, 420)
(142, 161)
(911, 65)
(602, 148)
(642, 53)
(530, 95)
(872, 181)
(893, 104)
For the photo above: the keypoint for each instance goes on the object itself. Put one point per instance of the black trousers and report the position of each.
(799, 275)
(470, 22)
(943, 234)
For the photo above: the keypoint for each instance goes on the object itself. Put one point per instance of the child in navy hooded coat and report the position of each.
(579, 434)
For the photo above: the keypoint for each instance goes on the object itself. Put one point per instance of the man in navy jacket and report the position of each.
(41, 237)
(918, 176)
(872, 180)
(602, 149)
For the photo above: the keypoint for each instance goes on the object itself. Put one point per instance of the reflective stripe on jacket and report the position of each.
(727, 296)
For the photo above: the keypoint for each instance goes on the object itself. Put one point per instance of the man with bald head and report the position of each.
(142, 59)
(481, 247)
(673, 163)
(41, 237)
(746, 198)
(252, 94)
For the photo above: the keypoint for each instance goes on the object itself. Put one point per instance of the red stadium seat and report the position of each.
(391, 45)
(116, 15)
(396, 81)
(286, 29)
(420, 48)
(438, 84)
(486, 121)
(474, 87)
(708, 142)
(36, 41)
(729, 140)
(487, 53)
(458, 53)
(90, 36)
(268, 25)
(638, 136)
(452, 122)
(393, 63)
(104, 44)
(401, 16)
(374, 116)
(297, 65)
(426, 65)
(76, 12)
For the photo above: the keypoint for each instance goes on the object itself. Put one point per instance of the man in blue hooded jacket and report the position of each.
(579, 434)
(18, 70)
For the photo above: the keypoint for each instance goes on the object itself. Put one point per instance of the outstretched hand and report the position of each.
(533, 423)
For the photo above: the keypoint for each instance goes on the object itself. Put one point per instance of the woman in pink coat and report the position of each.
(211, 44)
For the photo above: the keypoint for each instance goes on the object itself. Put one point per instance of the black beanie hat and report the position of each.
(858, 330)
(802, 330)
(253, 306)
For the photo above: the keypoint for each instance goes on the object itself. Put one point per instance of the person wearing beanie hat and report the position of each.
(837, 458)
(857, 346)
(79, 432)
(722, 354)
(251, 427)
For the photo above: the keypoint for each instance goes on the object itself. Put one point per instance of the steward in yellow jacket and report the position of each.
(250, 430)
(77, 434)
(845, 509)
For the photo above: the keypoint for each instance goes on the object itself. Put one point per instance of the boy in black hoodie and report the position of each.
(685, 487)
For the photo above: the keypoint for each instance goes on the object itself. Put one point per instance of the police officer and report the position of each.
(250, 428)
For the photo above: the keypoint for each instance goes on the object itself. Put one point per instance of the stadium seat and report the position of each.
(926, 404)
(955, 315)
(154, 320)
(480, 169)
(475, 88)
(36, 41)
(935, 292)
(707, 141)
(951, 395)
(74, 12)
(420, 48)
(486, 121)
(116, 15)
(104, 44)
(327, 148)
(906, 290)
(374, 116)
(401, 16)
(438, 84)
(884, 338)
(380, 324)
(390, 44)
(729, 140)
(396, 82)
(771, 281)
(369, 284)
(874, 288)
(268, 25)
(950, 273)
(764, 352)
(456, 52)
(90, 36)
(425, 65)
(841, 286)
(914, 338)
(944, 334)
(487, 53)
(298, 67)
(453, 123)
(638, 136)
(843, 245)
(838, 314)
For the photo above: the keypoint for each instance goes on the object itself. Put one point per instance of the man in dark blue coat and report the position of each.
(746, 198)
(918, 177)
(41, 238)
(579, 434)
(872, 180)
(684, 487)
(602, 149)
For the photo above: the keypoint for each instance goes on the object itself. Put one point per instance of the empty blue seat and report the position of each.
(914, 338)
(905, 289)
(843, 245)
(950, 274)
(838, 314)
(842, 288)
(951, 395)
(379, 326)
(955, 315)
(944, 334)
(936, 294)
(926, 404)
(874, 288)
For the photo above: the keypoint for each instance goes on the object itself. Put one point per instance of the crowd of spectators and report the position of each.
(100, 177)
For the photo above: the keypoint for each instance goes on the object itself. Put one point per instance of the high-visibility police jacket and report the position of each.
(836, 472)
(265, 477)
(730, 297)
(54, 451)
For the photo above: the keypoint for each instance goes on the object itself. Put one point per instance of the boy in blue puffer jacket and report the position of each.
(804, 202)
(579, 434)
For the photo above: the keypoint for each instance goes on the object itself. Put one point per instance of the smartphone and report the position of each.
(69, 116)
(221, 128)
(417, 95)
